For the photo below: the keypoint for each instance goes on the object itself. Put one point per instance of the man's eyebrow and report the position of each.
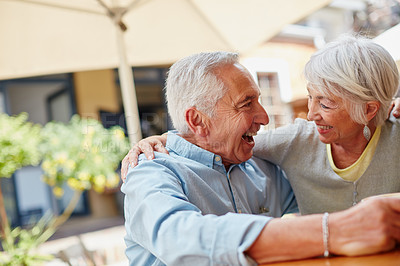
(248, 98)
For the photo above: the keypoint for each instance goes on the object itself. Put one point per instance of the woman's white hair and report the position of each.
(192, 82)
(356, 70)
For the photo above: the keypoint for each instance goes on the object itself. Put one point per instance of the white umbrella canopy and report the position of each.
(390, 40)
(41, 37)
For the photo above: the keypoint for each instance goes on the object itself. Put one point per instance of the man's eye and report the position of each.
(247, 104)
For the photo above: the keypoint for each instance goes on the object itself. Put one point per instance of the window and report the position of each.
(271, 99)
(272, 76)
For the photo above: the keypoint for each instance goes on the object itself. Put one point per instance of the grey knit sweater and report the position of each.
(298, 150)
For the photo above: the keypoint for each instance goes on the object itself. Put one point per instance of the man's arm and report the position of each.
(160, 218)
(370, 227)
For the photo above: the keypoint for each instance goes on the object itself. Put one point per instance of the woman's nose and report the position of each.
(312, 114)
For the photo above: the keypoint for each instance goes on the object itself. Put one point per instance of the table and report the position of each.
(387, 259)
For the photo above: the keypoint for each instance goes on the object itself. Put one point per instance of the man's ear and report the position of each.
(196, 121)
(372, 109)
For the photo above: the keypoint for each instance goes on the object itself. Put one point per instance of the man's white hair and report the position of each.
(192, 82)
(357, 70)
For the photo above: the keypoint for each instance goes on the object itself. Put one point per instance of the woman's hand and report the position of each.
(369, 227)
(146, 146)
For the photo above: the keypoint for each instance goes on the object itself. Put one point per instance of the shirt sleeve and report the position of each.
(160, 218)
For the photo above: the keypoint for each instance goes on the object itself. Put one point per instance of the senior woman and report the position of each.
(349, 149)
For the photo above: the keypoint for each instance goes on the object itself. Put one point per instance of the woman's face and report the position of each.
(333, 122)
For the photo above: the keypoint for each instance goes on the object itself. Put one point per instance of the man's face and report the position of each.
(238, 116)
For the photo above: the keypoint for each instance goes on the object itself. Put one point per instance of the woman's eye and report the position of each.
(324, 106)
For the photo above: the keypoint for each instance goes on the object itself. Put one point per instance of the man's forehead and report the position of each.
(245, 94)
(249, 93)
(238, 82)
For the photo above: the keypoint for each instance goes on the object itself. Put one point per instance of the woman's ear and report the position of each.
(372, 109)
(196, 121)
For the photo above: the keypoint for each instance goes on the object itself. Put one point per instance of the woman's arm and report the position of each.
(367, 228)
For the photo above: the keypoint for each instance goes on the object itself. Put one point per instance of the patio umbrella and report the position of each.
(41, 37)
(390, 40)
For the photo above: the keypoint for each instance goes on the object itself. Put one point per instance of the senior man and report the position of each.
(210, 203)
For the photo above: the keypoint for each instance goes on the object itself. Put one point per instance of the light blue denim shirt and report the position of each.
(186, 209)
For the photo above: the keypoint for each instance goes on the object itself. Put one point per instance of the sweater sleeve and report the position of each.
(275, 145)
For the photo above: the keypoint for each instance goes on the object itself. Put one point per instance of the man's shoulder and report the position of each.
(148, 174)
(162, 160)
(158, 156)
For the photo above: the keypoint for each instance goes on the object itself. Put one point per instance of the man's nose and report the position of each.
(261, 115)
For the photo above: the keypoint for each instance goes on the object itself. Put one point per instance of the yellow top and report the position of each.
(357, 169)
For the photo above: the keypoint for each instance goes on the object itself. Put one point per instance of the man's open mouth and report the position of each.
(248, 137)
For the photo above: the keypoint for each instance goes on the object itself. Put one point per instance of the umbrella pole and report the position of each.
(125, 75)
(128, 92)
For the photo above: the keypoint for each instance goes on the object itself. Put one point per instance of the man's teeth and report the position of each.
(250, 134)
(248, 137)
(324, 127)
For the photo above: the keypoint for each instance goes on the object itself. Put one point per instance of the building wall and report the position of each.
(95, 91)
(31, 98)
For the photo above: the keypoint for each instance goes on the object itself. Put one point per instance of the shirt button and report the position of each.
(217, 158)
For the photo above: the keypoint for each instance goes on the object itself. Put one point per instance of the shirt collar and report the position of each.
(186, 149)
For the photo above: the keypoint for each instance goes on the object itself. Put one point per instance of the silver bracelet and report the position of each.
(325, 233)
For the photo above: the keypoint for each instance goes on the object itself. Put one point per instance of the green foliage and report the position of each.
(19, 141)
(20, 245)
(83, 154)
